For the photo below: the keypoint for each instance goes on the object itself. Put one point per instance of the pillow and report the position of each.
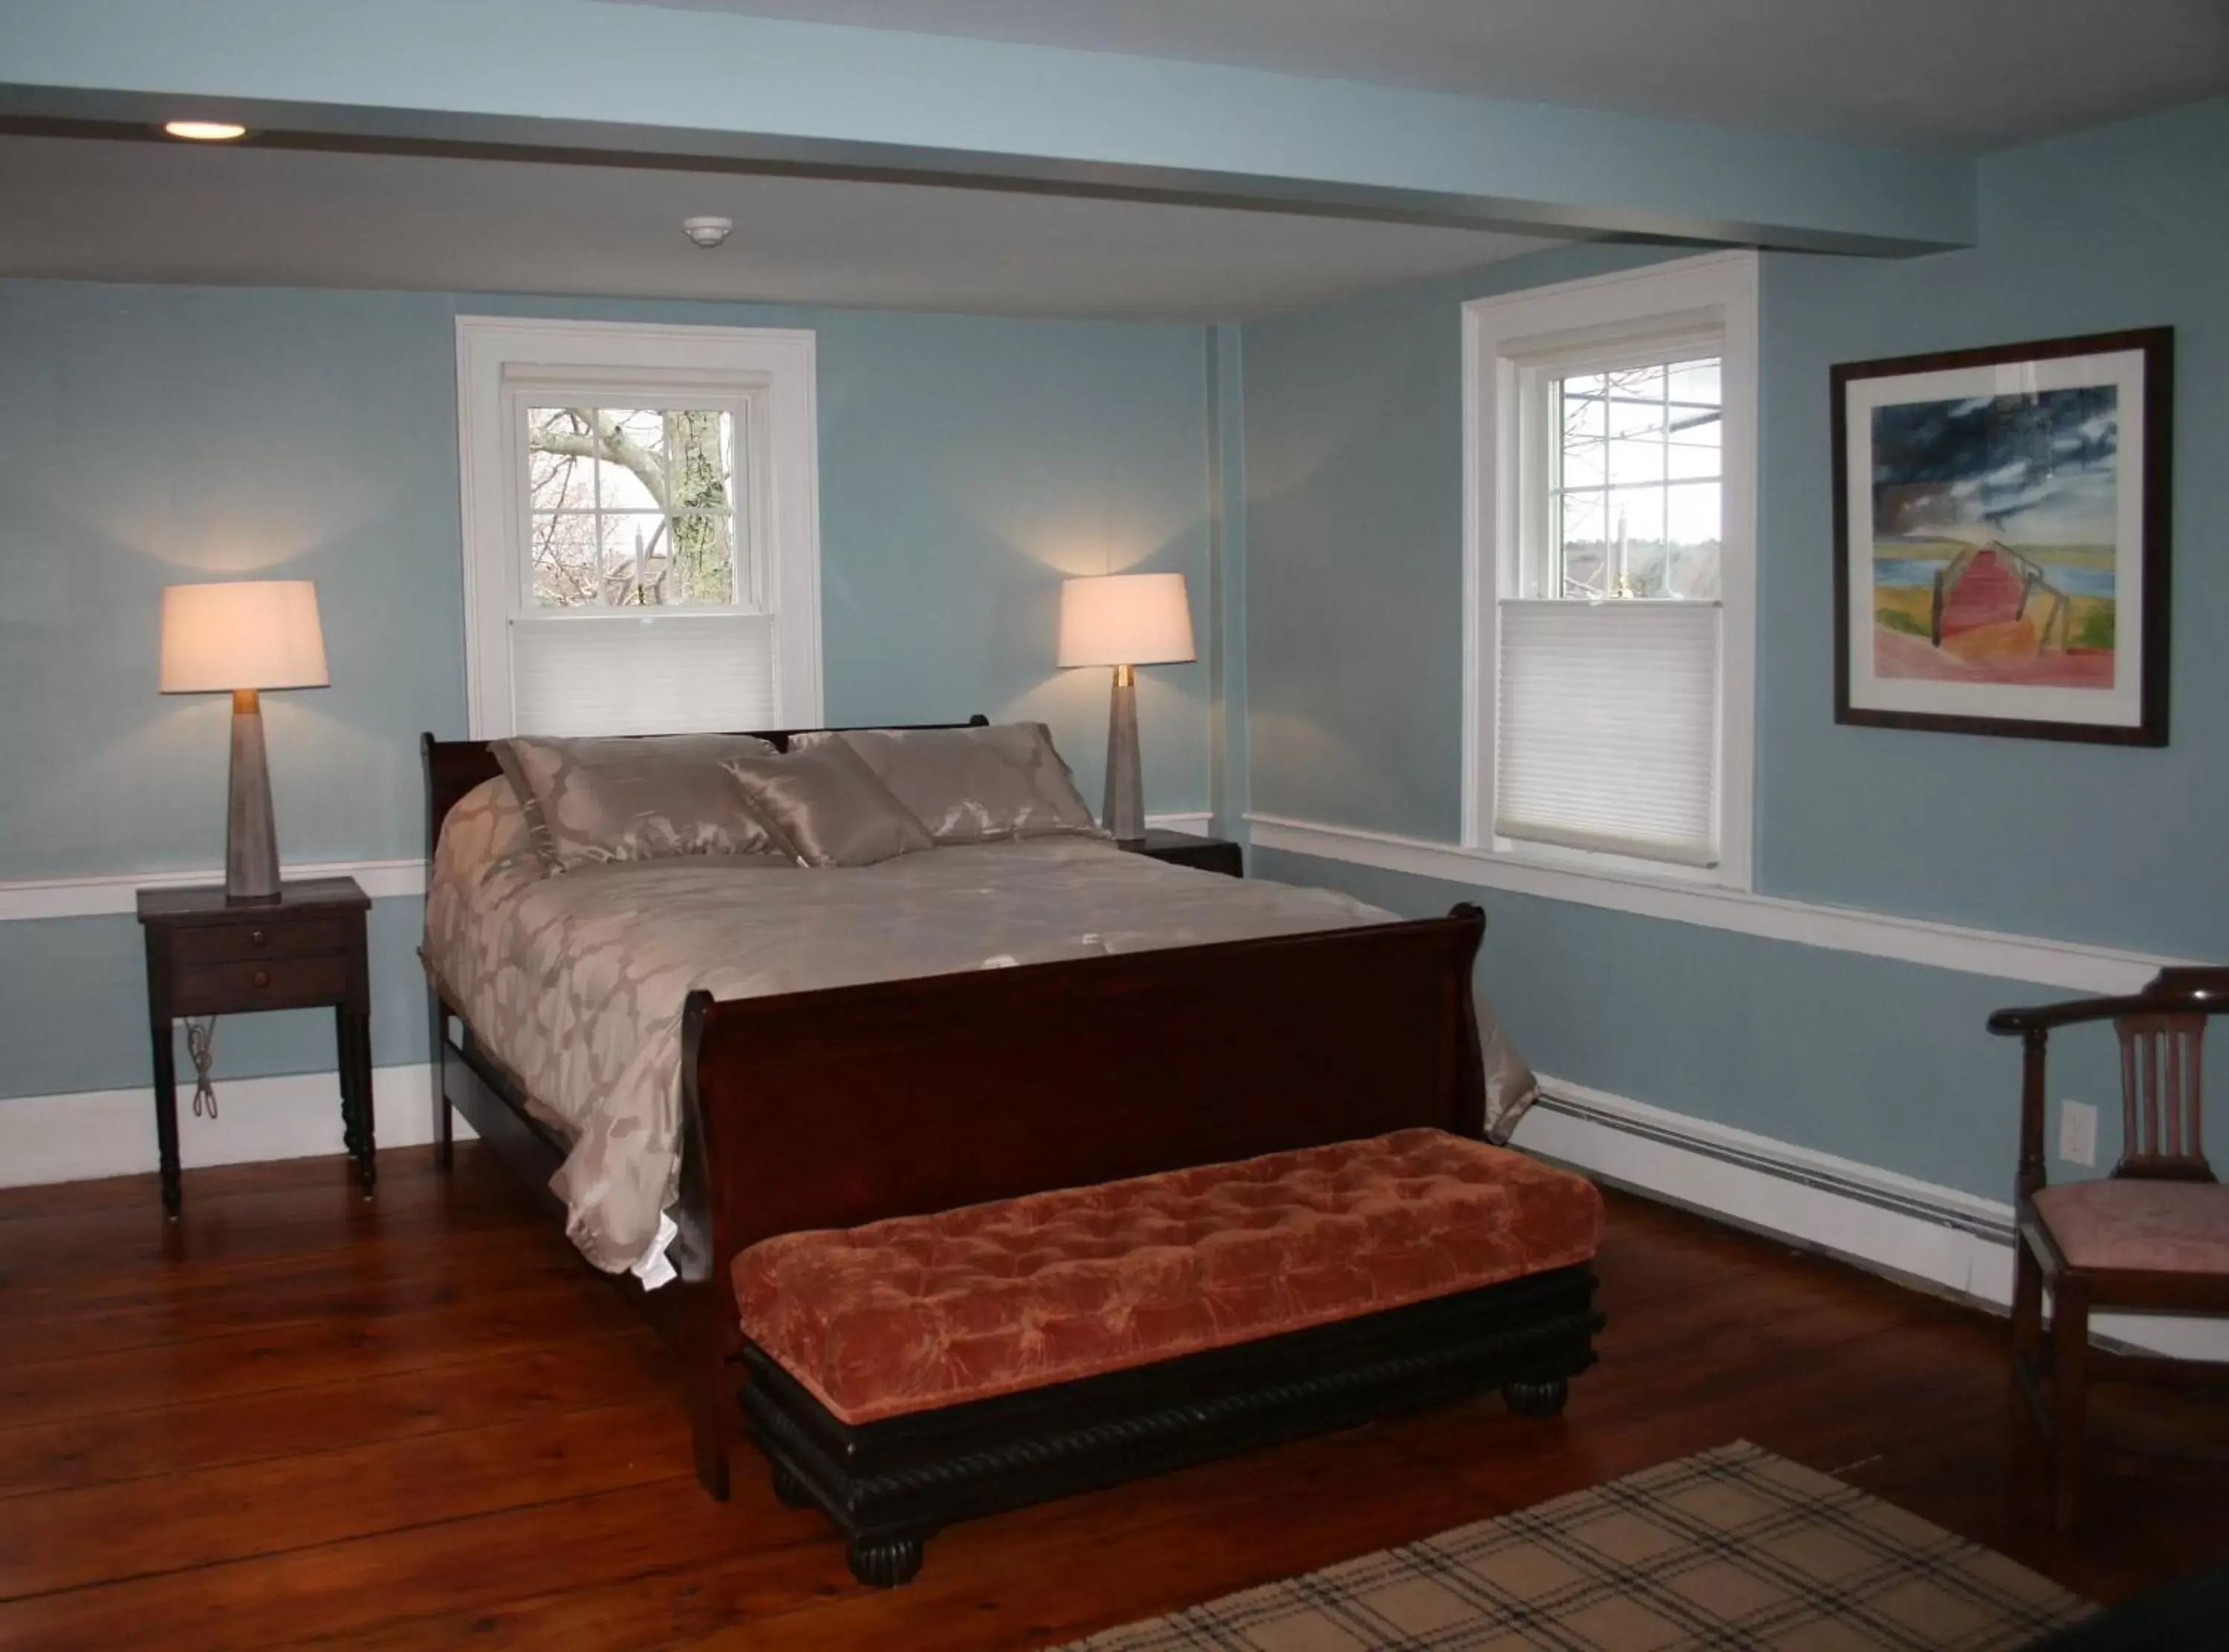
(641, 798)
(975, 786)
(827, 803)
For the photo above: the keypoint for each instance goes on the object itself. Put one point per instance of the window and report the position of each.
(1611, 434)
(641, 533)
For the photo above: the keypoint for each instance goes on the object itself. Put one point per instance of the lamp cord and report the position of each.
(200, 1049)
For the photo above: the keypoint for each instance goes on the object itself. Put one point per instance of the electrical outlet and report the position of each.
(2077, 1132)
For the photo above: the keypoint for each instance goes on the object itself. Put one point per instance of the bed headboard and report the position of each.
(454, 767)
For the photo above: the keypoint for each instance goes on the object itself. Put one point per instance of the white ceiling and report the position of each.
(1948, 74)
(125, 211)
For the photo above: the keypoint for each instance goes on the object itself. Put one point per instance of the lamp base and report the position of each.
(1125, 789)
(251, 840)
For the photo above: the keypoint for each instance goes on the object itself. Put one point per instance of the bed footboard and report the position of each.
(832, 1108)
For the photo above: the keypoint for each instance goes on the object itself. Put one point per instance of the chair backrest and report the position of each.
(2162, 1033)
(2162, 1096)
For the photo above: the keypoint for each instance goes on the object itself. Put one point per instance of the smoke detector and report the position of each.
(708, 232)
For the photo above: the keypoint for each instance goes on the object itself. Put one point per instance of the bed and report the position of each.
(829, 1068)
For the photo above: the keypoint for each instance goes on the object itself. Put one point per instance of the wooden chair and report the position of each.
(2154, 1235)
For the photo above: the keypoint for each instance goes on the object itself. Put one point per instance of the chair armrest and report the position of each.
(2180, 989)
(2042, 1018)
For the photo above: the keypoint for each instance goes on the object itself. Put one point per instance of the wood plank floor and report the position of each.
(296, 1418)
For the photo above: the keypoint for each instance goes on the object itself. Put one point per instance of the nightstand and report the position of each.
(302, 951)
(1182, 849)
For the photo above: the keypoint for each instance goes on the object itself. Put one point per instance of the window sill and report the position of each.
(1596, 863)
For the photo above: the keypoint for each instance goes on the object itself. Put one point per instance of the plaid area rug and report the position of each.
(1733, 1548)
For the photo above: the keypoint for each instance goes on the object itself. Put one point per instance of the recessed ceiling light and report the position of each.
(205, 132)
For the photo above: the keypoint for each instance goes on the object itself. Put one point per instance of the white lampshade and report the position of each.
(242, 634)
(1125, 620)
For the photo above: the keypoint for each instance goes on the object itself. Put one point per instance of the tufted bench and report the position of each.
(918, 1370)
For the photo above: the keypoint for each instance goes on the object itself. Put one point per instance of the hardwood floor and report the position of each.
(297, 1418)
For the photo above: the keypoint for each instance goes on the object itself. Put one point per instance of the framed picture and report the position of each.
(2001, 540)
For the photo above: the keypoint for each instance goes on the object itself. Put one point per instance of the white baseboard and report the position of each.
(1913, 1230)
(1198, 824)
(99, 1133)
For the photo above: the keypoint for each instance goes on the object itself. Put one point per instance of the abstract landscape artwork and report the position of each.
(2001, 553)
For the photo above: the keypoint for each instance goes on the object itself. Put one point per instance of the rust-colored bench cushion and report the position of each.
(926, 1312)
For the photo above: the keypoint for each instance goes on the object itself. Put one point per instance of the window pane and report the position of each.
(1696, 381)
(561, 472)
(1694, 449)
(1691, 526)
(698, 446)
(704, 560)
(1579, 547)
(1636, 402)
(562, 552)
(1636, 541)
(630, 459)
(635, 558)
(1636, 460)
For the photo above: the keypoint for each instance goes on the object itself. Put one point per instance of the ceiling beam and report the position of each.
(653, 85)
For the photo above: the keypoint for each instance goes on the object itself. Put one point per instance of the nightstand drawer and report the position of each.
(240, 943)
(279, 983)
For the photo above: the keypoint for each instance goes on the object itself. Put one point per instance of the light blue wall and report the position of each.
(1354, 576)
(170, 434)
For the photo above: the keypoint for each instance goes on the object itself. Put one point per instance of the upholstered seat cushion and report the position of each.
(2160, 1226)
(926, 1312)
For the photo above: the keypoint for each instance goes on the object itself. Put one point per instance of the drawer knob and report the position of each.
(262, 977)
(259, 938)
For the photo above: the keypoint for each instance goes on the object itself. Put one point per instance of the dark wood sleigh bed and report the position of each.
(838, 1107)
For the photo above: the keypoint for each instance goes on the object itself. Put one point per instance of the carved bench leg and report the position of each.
(886, 1561)
(1536, 1398)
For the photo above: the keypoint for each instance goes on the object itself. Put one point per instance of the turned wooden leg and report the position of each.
(1536, 1398)
(166, 1115)
(885, 1561)
(788, 1489)
(2070, 1397)
(2027, 1317)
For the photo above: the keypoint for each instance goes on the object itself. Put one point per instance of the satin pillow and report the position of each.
(635, 798)
(973, 786)
(826, 802)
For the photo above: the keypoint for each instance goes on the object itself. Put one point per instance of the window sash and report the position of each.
(749, 514)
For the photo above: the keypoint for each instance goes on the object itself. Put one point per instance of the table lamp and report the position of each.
(241, 637)
(1125, 620)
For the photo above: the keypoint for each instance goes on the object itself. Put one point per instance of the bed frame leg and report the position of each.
(445, 1146)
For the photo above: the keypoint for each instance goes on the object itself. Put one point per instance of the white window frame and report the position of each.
(504, 361)
(1509, 342)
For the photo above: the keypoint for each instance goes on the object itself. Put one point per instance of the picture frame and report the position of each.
(2002, 539)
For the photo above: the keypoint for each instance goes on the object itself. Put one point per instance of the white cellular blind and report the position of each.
(1606, 728)
(662, 673)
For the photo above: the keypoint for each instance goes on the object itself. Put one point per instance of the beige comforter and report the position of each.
(575, 980)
